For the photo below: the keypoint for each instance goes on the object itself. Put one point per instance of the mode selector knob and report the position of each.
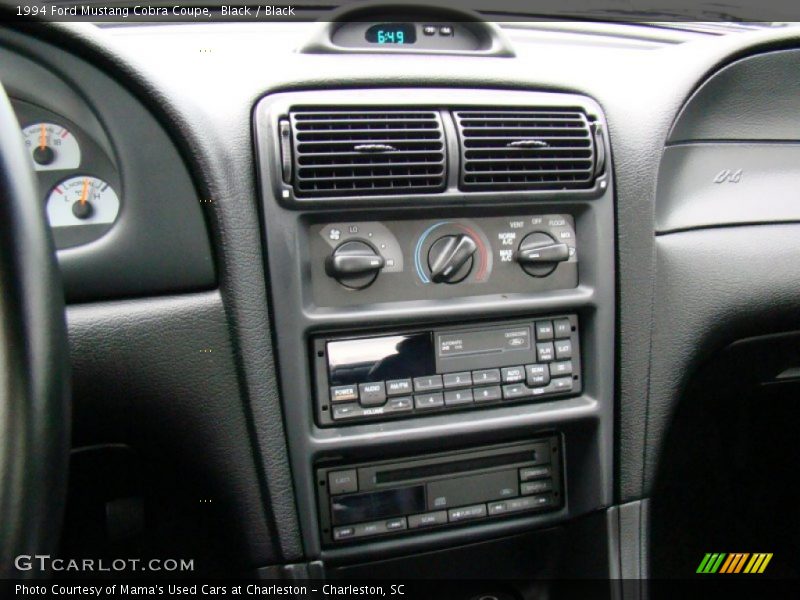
(354, 264)
(539, 254)
(450, 258)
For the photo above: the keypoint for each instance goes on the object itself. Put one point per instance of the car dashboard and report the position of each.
(346, 305)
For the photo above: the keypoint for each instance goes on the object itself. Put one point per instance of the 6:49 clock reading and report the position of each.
(392, 34)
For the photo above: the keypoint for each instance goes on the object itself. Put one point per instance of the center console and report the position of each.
(442, 278)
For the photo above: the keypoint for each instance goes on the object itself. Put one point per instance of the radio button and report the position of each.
(398, 387)
(344, 393)
(486, 376)
(397, 524)
(561, 368)
(544, 352)
(427, 519)
(562, 384)
(526, 474)
(563, 349)
(515, 391)
(399, 404)
(372, 394)
(365, 529)
(513, 374)
(536, 487)
(342, 482)
(487, 394)
(497, 508)
(429, 383)
(426, 401)
(537, 375)
(343, 533)
(544, 331)
(466, 512)
(562, 328)
(455, 380)
(347, 411)
(458, 397)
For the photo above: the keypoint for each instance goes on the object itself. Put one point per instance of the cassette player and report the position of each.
(419, 372)
(390, 498)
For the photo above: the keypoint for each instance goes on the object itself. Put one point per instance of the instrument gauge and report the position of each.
(82, 200)
(51, 147)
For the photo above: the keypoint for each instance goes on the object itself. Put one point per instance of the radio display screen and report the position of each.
(380, 358)
(358, 508)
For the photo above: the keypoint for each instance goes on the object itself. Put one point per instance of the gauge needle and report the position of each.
(85, 191)
(42, 137)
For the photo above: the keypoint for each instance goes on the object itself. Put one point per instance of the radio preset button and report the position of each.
(528, 473)
(344, 393)
(563, 349)
(458, 397)
(372, 394)
(425, 401)
(561, 368)
(562, 328)
(455, 380)
(513, 374)
(342, 482)
(398, 387)
(342, 533)
(347, 411)
(430, 519)
(544, 331)
(544, 352)
(536, 487)
(428, 383)
(466, 513)
(403, 404)
(487, 394)
(537, 375)
(486, 376)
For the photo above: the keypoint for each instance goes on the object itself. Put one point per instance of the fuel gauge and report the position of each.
(82, 200)
(51, 147)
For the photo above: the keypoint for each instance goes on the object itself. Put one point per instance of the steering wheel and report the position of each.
(34, 368)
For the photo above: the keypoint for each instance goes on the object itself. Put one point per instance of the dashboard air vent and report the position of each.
(525, 149)
(364, 152)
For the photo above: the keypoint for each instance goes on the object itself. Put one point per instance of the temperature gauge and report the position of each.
(82, 200)
(52, 147)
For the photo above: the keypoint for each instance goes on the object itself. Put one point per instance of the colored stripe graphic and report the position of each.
(735, 562)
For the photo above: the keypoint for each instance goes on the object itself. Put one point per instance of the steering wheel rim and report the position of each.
(34, 371)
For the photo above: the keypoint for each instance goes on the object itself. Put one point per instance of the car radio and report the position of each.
(442, 490)
(418, 372)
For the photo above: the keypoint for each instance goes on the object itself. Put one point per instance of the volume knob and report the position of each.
(354, 264)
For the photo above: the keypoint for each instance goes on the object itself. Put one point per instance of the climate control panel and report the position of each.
(385, 261)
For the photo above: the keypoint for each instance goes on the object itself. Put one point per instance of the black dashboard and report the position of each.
(406, 309)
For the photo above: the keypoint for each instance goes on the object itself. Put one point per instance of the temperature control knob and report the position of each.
(450, 258)
(354, 264)
(539, 254)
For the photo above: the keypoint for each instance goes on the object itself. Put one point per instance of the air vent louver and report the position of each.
(363, 152)
(525, 149)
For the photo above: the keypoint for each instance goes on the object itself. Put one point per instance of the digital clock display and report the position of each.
(392, 34)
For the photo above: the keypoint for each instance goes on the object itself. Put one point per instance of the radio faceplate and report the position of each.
(363, 501)
(420, 372)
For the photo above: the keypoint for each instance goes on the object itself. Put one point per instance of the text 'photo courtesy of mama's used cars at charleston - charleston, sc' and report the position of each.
(462, 300)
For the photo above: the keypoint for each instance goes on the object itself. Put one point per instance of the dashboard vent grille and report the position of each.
(525, 149)
(363, 152)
